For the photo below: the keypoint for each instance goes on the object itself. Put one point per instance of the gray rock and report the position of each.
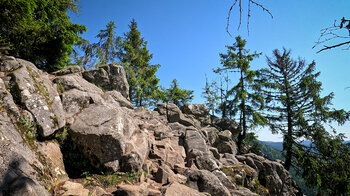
(227, 182)
(10, 63)
(17, 162)
(179, 189)
(109, 77)
(211, 134)
(205, 181)
(227, 124)
(225, 135)
(194, 141)
(69, 70)
(173, 114)
(106, 134)
(120, 99)
(199, 111)
(38, 95)
(242, 191)
(227, 147)
(6, 101)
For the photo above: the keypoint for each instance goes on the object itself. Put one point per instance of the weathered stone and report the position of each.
(173, 114)
(131, 190)
(215, 152)
(227, 124)
(225, 136)
(199, 111)
(51, 151)
(193, 140)
(73, 188)
(227, 147)
(74, 101)
(227, 182)
(38, 95)
(204, 181)
(106, 134)
(69, 70)
(17, 162)
(120, 99)
(211, 134)
(242, 191)
(109, 77)
(179, 189)
(98, 191)
(6, 101)
(10, 63)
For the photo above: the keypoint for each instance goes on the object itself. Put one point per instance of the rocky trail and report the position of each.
(75, 132)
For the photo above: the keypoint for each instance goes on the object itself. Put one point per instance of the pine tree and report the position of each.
(293, 103)
(210, 94)
(135, 57)
(40, 31)
(237, 59)
(106, 49)
(174, 94)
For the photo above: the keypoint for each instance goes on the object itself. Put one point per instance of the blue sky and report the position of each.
(186, 37)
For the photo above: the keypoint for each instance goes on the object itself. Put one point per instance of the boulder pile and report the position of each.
(75, 132)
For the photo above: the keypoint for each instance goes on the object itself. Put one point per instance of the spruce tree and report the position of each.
(135, 57)
(210, 94)
(293, 102)
(40, 30)
(174, 94)
(106, 49)
(245, 102)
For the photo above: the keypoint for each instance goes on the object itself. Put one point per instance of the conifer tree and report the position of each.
(210, 95)
(293, 102)
(135, 57)
(40, 30)
(247, 102)
(106, 49)
(174, 94)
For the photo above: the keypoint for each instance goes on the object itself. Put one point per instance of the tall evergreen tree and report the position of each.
(40, 30)
(293, 101)
(174, 94)
(210, 94)
(106, 48)
(237, 59)
(135, 57)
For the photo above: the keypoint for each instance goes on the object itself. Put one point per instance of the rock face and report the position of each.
(85, 114)
(108, 135)
(109, 77)
(36, 92)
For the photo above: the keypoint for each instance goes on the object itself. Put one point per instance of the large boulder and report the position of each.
(199, 111)
(205, 181)
(34, 90)
(227, 124)
(108, 136)
(173, 114)
(271, 174)
(194, 141)
(109, 77)
(179, 189)
(19, 165)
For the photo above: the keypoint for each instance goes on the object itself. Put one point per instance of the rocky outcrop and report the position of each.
(34, 90)
(75, 119)
(107, 135)
(109, 77)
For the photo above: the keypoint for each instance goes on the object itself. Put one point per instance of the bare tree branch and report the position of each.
(334, 33)
(241, 11)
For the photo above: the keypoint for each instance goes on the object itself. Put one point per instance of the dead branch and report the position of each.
(334, 33)
(241, 11)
